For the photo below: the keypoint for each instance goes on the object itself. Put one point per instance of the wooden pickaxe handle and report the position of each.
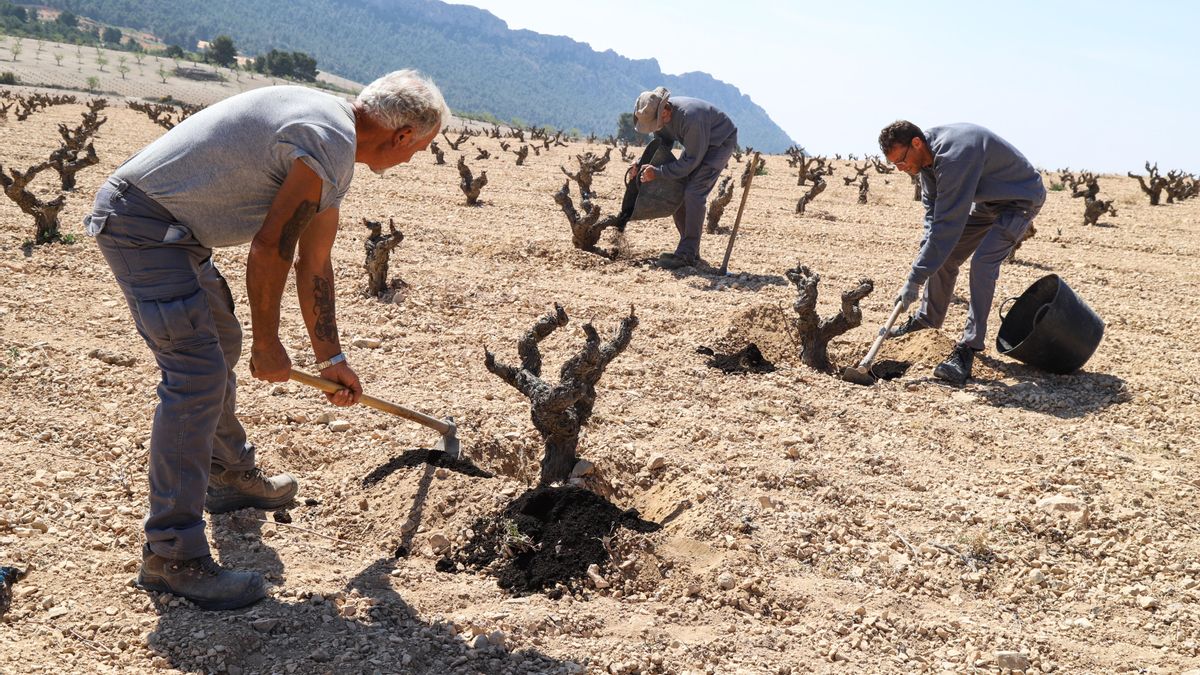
(331, 387)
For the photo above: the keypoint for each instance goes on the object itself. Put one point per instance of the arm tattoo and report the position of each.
(325, 325)
(294, 227)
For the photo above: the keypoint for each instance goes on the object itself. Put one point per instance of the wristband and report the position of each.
(333, 361)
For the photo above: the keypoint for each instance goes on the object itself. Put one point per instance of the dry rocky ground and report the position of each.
(1025, 521)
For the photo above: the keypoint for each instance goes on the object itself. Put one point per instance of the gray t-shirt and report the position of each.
(218, 171)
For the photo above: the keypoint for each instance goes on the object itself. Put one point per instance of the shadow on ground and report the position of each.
(366, 628)
(1065, 396)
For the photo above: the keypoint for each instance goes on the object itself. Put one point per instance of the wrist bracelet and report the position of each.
(333, 361)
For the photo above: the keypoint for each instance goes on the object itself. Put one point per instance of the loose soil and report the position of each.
(748, 359)
(808, 524)
(566, 529)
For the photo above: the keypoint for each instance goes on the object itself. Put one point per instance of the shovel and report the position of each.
(862, 374)
(449, 441)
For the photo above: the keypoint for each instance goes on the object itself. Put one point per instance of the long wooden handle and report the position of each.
(741, 207)
(870, 357)
(331, 387)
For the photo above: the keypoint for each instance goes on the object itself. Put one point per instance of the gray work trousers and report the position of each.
(689, 217)
(183, 309)
(990, 235)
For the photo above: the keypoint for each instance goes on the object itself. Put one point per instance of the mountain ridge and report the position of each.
(481, 64)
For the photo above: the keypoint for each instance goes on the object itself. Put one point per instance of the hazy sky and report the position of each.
(1099, 85)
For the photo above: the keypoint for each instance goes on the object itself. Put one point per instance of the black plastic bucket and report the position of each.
(1049, 327)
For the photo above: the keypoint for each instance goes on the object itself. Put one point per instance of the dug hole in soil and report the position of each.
(544, 540)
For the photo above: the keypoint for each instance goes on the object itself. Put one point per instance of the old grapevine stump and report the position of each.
(815, 332)
(559, 411)
(805, 199)
(379, 250)
(586, 226)
(469, 184)
(45, 213)
(717, 208)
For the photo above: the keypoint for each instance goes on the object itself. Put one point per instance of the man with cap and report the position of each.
(708, 137)
(980, 196)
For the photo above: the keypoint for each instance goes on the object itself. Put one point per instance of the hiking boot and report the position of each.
(233, 490)
(911, 325)
(200, 580)
(672, 261)
(957, 368)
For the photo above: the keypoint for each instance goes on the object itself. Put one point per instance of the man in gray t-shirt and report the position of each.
(270, 168)
(708, 137)
(980, 196)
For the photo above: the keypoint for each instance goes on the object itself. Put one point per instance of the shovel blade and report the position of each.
(859, 375)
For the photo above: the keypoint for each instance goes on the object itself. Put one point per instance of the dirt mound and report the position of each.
(925, 349)
(922, 348)
(547, 537)
(771, 327)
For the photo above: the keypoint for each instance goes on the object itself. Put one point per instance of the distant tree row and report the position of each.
(296, 65)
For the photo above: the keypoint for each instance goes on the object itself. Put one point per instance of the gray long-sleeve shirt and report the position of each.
(970, 165)
(698, 126)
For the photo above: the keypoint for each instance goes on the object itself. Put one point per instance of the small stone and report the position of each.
(1012, 661)
(725, 581)
(1147, 601)
(56, 612)
(363, 504)
(112, 358)
(439, 543)
(367, 342)
(480, 642)
(441, 473)
(657, 463)
(40, 525)
(582, 468)
(496, 638)
(264, 625)
(339, 426)
(593, 572)
(320, 655)
(1060, 504)
(282, 516)
(64, 476)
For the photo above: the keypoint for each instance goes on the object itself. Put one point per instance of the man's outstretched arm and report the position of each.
(314, 286)
(271, 254)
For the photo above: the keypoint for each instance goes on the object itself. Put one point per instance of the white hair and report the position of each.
(405, 97)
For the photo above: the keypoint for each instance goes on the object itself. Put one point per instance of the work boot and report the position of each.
(673, 261)
(200, 580)
(910, 325)
(957, 368)
(233, 490)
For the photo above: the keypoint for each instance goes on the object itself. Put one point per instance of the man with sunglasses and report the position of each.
(980, 196)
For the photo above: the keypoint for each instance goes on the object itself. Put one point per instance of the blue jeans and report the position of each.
(183, 309)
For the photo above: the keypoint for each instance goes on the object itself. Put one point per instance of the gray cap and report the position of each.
(648, 110)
